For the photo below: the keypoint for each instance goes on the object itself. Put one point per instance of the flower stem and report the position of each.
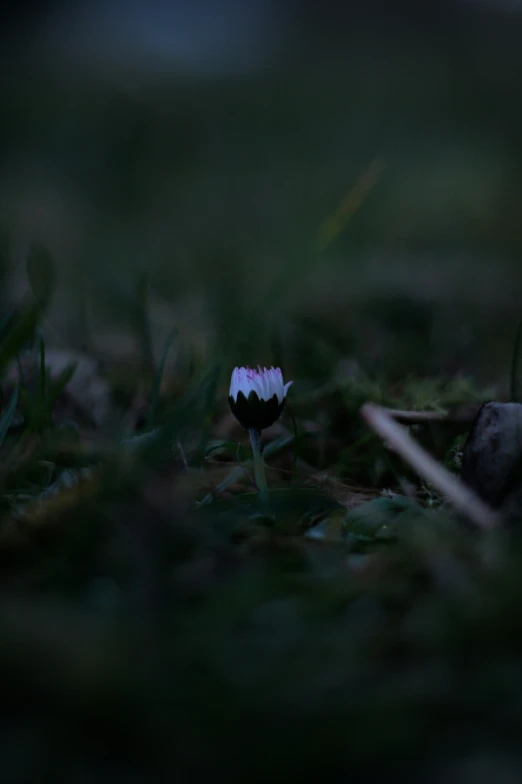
(259, 468)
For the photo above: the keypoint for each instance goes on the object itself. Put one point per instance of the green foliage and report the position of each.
(8, 414)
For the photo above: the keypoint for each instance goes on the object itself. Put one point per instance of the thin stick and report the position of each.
(422, 417)
(398, 439)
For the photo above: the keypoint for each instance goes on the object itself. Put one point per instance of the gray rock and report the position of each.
(492, 457)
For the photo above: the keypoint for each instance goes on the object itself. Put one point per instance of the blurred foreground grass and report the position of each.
(154, 626)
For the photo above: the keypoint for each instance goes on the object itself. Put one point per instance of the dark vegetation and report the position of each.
(153, 624)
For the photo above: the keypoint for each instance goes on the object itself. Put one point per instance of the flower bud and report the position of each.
(257, 397)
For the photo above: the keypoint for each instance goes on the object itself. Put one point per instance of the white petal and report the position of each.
(244, 382)
(276, 378)
(267, 382)
(234, 384)
(259, 385)
(278, 388)
(252, 382)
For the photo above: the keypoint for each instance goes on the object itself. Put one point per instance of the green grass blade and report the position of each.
(209, 397)
(154, 398)
(19, 333)
(7, 416)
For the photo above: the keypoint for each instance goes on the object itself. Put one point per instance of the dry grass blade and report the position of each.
(351, 203)
(398, 439)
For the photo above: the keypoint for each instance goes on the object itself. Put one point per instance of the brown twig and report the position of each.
(398, 439)
(463, 416)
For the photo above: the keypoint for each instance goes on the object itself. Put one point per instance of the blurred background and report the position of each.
(332, 187)
(204, 145)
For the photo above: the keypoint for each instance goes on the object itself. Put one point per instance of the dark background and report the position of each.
(204, 143)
